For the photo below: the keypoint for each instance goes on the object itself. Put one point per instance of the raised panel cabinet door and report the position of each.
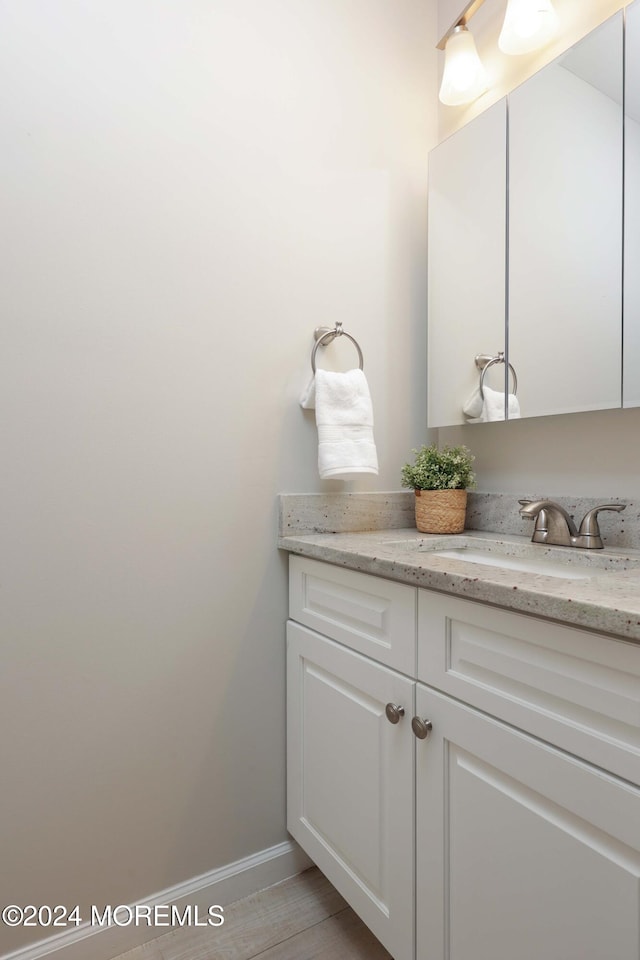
(574, 688)
(374, 616)
(522, 850)
(350, 785)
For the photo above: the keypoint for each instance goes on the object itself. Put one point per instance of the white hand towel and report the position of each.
(493, 406)
(344, 417)
(308, 398)
(473, 405)
(514, 407)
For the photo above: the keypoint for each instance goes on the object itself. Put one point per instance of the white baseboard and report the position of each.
(221, 886)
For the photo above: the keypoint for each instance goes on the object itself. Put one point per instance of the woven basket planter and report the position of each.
(440, 511)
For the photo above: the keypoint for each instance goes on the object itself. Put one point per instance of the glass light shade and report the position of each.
(464, 77)
(528, 25)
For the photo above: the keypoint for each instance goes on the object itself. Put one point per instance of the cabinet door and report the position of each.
(574, 688)
(466, 268)
(631, 298)
(522, 850)
(373, 616)
(350, 785)
(565, 229)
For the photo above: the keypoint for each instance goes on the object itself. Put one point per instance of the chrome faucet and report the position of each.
(553, 525)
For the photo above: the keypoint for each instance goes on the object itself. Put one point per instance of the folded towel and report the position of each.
(308, 398)
(344, 417)
(492, 406)
(473, 405)
(513, 405)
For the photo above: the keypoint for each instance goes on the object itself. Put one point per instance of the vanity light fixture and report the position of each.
(464, 77)
(528, 25)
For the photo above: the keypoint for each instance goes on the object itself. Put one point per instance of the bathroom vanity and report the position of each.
(464, 742)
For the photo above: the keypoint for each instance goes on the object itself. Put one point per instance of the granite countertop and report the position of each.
(606, 601)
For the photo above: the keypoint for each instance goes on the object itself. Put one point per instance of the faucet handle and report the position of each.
(589, 528)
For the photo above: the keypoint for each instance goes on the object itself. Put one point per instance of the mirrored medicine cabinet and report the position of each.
(526, 239)
(631, 335)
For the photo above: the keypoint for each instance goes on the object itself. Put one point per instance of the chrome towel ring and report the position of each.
(484, 361)
(325, 335)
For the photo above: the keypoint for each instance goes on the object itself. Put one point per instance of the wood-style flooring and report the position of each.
(302, 918)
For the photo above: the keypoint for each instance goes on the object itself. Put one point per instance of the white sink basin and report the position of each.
(546, 567)
(566, 563)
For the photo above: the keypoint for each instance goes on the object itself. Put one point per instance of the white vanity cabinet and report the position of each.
(350, 780)
(513, 828)
(523, 851)
(350, 786)
(528, 797)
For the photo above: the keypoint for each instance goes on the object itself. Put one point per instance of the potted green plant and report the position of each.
(440, 479)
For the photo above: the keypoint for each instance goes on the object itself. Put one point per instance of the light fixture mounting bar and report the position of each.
(464, 18)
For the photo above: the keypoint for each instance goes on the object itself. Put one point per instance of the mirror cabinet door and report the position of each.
(565, 229)
(466, 273)
(631, 365)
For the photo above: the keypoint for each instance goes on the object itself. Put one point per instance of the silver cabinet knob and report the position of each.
(394, 712)
(421, 728)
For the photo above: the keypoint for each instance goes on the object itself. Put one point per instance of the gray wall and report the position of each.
(189, 188)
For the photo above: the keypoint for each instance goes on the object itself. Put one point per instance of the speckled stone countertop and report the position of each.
(606, 601)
